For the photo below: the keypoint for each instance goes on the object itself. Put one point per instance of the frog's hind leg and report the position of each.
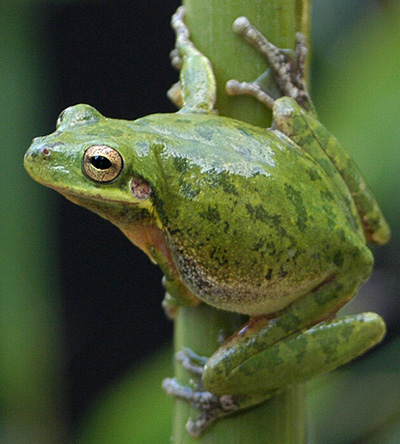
(298, 122)
(268, 355)
(286, 65)
(196, 90)
(269, 371)
(308, 133)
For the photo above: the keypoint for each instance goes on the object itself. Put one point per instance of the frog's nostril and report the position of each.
(38, 152)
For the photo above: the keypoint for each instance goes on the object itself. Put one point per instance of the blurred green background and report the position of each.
(84, 342)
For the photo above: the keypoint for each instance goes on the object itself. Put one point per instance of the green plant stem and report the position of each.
(281, 419)
(210, 25)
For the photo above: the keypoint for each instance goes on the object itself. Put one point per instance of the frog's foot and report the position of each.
(182, 37)
(176, 296)
(212, 407)
(286, 65)
(196, 89)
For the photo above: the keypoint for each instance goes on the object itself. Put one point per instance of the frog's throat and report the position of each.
(150, 239)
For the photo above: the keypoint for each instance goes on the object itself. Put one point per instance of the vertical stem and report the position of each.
(281, 419)
(277, 421)
(210, 24)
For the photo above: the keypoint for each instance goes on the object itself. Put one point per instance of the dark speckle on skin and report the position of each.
(224, 181)
(205, 132)
(338, 259)
(259, 245)
(275, 356)
(326, 164)
(219, 256)
(331, 216)
(314, 175)
(226, 226)
(299, 348)
(282, 272)
(347, 331)
(326, 195)
(245, 133)
(295, 198)
(341, 234)
(161, 211)
(258, 212)
(181, 164)
(211, 214)
(188, 191)
(330, 347)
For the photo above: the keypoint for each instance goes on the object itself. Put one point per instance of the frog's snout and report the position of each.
(39, 150)
(38, 153)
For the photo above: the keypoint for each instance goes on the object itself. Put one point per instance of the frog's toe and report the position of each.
(287, 65)
(200, 399)
(169, 304)
(212, 407)
(226, 406)
(176, 59)
(197, 426)
(301, 51)
(233, 88)
(191, 361)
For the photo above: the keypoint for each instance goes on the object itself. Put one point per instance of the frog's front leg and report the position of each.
(287, 66)
(196, 91)
(268, 355)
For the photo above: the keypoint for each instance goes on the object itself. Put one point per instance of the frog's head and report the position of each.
(88, 159)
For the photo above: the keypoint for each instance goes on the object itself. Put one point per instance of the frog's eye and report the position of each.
(78, 115)
(102, 163)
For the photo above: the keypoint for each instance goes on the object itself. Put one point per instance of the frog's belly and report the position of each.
(254, 295)
(254, 244)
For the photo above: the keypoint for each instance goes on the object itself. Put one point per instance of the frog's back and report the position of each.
(248, 215)
(213, 143)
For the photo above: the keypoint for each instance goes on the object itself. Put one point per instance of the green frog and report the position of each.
(268, 223)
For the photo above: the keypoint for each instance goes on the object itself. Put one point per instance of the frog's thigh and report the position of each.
(302, 355)
(307, 132)
(260, 341)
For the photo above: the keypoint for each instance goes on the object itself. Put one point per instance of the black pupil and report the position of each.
(100, 162)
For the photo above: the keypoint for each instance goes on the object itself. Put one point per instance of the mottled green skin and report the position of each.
(242, 209)
(239, 216)
(306, 131)
(254, 221)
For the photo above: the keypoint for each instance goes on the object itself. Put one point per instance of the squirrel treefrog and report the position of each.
(272, 224)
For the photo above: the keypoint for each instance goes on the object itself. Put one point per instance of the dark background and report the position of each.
(115, 57)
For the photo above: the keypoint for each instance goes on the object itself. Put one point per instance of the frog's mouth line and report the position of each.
(83, 199)
(78, 198)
